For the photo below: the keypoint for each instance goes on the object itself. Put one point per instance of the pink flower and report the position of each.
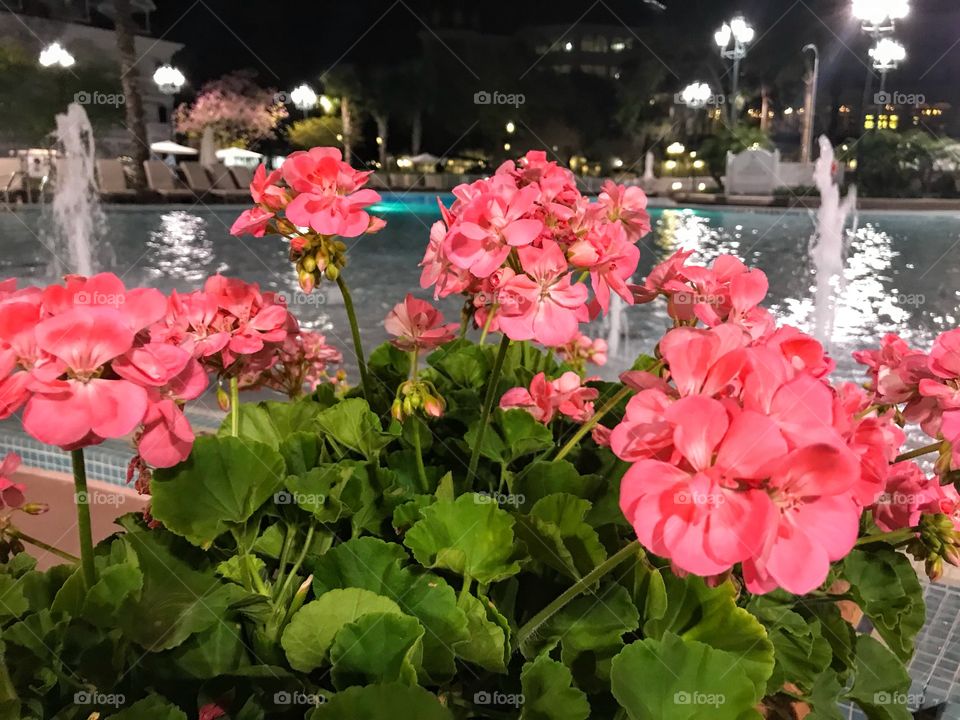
(611, 259)
(12, 494)
(628, 205)
(343, 215)
(582, 350)
(815, 522)
(482, 239)
(252, 222)
(566, 395)
(549, 306)
(909, 492)
(266, 192)
(72, 405)
(693, 511)
(321, 171)
(417, 326)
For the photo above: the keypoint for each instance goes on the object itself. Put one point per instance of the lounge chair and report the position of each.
(162, 181)
(11, 178)
(223, 183)
(243, 176)
(113, 180)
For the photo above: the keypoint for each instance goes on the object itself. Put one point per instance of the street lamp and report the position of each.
(887, 55)
(56, 54)
(326, 104)
(733, 38)
(510, 127)
(696, 95)
(169, 79)
(304, 98)
(809, 104)
(880, 16)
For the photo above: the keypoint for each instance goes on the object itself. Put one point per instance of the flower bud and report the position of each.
(397, 410)
(433, 406)
(332, 272)
(934, 568)
(307, 281)
(35, 508)
(309, 263)
(223, 400)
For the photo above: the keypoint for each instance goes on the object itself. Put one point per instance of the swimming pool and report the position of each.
(902, 271)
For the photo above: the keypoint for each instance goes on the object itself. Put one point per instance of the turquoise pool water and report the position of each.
(902, 271)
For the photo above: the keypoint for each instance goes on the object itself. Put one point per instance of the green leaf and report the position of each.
(556, 535)
(800, 649)
(215, 652)
(223, 482)
(405, 515)
(464, 363)
(711, 616)
(176, 601)
(375, 565)
(272, 422)
(392, 701)
(885, 585)
(390, 364)
(591, 628)
(309, 636)
(351, 424)
(486, 643)
(318, 491)
(152, 707)
(677, 679)
(301, 451)
(542, 478)
(377, 648)
(548, 692)
(13, 602)
(881, 682)
(824, 698)
(233, 568)
(513, 434)
(471, 537)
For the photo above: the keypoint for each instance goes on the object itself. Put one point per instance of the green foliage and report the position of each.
(300, 570)
(894, 164)
(729, 139)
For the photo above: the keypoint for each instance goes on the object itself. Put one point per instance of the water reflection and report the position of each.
(180, 248)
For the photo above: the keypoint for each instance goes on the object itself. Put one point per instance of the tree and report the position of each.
(343, 83)
(315, 131)
(239, 111)
(130, 79)
(736, 139)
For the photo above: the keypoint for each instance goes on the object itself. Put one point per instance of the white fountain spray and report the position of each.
(828, 245)
(77, 216)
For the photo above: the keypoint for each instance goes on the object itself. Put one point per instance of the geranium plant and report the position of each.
(476, 530)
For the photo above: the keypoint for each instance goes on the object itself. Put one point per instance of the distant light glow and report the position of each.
(326, 104)
(880, 12)
(56, 54)
(696, 95)
(304, 98)
(676, 149)
(169, 79)
(887, 54)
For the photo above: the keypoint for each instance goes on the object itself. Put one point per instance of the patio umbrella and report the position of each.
(168, 147)
(424, 159)
(238, 154)
(208, 148)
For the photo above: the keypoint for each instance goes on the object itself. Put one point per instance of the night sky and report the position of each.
(287, 42)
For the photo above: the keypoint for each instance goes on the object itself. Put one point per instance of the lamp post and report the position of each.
(696, 95)
(887, 55)
(169, 79)
(810, 104)
(733, 38)
(878, 18)
(55, 55)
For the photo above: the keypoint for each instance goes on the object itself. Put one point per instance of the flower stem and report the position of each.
(894, 537)
(592, 423)
(234, 406)
(488, 405)
(920, 451)
(83, 517)
(62, 554)
(587, 581)
(418, 455)
(355, 331)
(486, 325)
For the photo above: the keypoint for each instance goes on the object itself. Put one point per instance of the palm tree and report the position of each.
(130, 80)
(343, 82)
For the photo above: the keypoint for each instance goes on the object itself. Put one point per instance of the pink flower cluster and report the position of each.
(303, 363)
(89, 360)
(582, 350)
(316, 190)
(545, 399)
(518, 244)
(416, 325)
(927, 386)
(741, 449)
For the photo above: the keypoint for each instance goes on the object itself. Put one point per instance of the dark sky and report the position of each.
(287, 41)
